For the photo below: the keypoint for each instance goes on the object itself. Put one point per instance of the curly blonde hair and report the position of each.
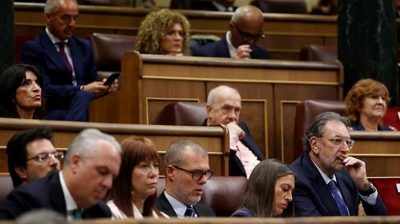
(155, 26)
(360, 90)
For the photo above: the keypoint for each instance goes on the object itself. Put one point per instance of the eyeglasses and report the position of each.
(339, 142)
(248, 36)
(44, 156)
(197, 174)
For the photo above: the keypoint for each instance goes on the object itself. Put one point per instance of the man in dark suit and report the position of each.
(31, 155)
(223, 107)
(328, 181)
(66, 62)
(187, 170)
(245, 29)
(91, 162)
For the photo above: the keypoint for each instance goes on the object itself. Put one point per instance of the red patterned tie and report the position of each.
(64, 56)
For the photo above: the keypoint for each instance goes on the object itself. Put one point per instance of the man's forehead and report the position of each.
(334, 127)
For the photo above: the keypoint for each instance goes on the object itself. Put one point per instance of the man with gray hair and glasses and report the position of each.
(329, 182)
(31, 155)
(90, 164)
(186, 171)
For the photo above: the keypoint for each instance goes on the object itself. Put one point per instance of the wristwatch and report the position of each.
(371, 190)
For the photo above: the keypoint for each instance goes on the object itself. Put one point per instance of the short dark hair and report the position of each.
(16, 149)
(317, 127)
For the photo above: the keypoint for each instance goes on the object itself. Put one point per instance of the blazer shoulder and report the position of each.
(204, 210)
(99, 210)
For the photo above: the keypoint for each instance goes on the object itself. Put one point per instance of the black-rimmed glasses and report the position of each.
(197, 174)
(339, 141)
(248, 36)
(44, 156)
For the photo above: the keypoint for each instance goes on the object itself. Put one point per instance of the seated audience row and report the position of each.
(325, 180)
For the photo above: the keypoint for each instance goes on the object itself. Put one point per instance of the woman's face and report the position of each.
(172, 41)
(374, 106)
(284, 187)
(144, 179)
(29, 95)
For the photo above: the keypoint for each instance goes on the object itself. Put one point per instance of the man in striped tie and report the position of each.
(329, 182)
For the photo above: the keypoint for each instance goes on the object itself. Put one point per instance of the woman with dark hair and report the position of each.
(164, 32)
(21, 92)
(366, 105)
(268, 192)
(134, 190)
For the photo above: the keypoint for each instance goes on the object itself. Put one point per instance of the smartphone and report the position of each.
(111, 79)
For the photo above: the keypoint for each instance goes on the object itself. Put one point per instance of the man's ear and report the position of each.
(21, 172)
(169, 172)
(208, 109)
(75, 162)
(314, 145)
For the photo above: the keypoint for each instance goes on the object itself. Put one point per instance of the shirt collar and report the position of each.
(231, 48)
(54, 39)
(69, 201)
(324, 176)
(178, 206)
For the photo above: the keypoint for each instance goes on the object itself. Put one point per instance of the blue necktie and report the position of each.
(190, 212)
(339, 200)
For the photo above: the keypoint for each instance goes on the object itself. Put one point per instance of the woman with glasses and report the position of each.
(269, 191)
(21, 92)
(366, 104)
(134, 190)
(164, 32)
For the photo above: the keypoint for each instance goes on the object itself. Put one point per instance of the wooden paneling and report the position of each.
(379, 150)
(269, 89)
(214, 139)
(285, 33)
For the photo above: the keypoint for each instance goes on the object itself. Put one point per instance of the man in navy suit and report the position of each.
(91, 162)
(223, 107)
(66, 62)
(245, 29)
(326, 162)
(187, 170)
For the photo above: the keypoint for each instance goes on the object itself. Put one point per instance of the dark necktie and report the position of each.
(339, 200)
(64, 56)
(190, 212)
(77, 214)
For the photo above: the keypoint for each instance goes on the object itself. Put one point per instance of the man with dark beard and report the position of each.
(31, 155)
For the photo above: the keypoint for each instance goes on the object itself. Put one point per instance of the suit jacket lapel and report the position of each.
(76, 59)
(50, 51)
(57, 199)
(320, 187)
(166, 206)
(346, 194)
(222, 48)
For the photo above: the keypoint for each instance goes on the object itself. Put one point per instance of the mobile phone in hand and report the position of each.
(111, 79)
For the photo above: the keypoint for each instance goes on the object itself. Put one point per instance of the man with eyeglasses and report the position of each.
(245, 29)
(91, 163)
(223, 107)
(187, 170)
(67, 64)
(329, 182)
(31, 155)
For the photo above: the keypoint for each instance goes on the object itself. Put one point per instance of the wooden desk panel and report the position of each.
(270, 90)
(285, 33)
(214, 139)
(379, 150)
